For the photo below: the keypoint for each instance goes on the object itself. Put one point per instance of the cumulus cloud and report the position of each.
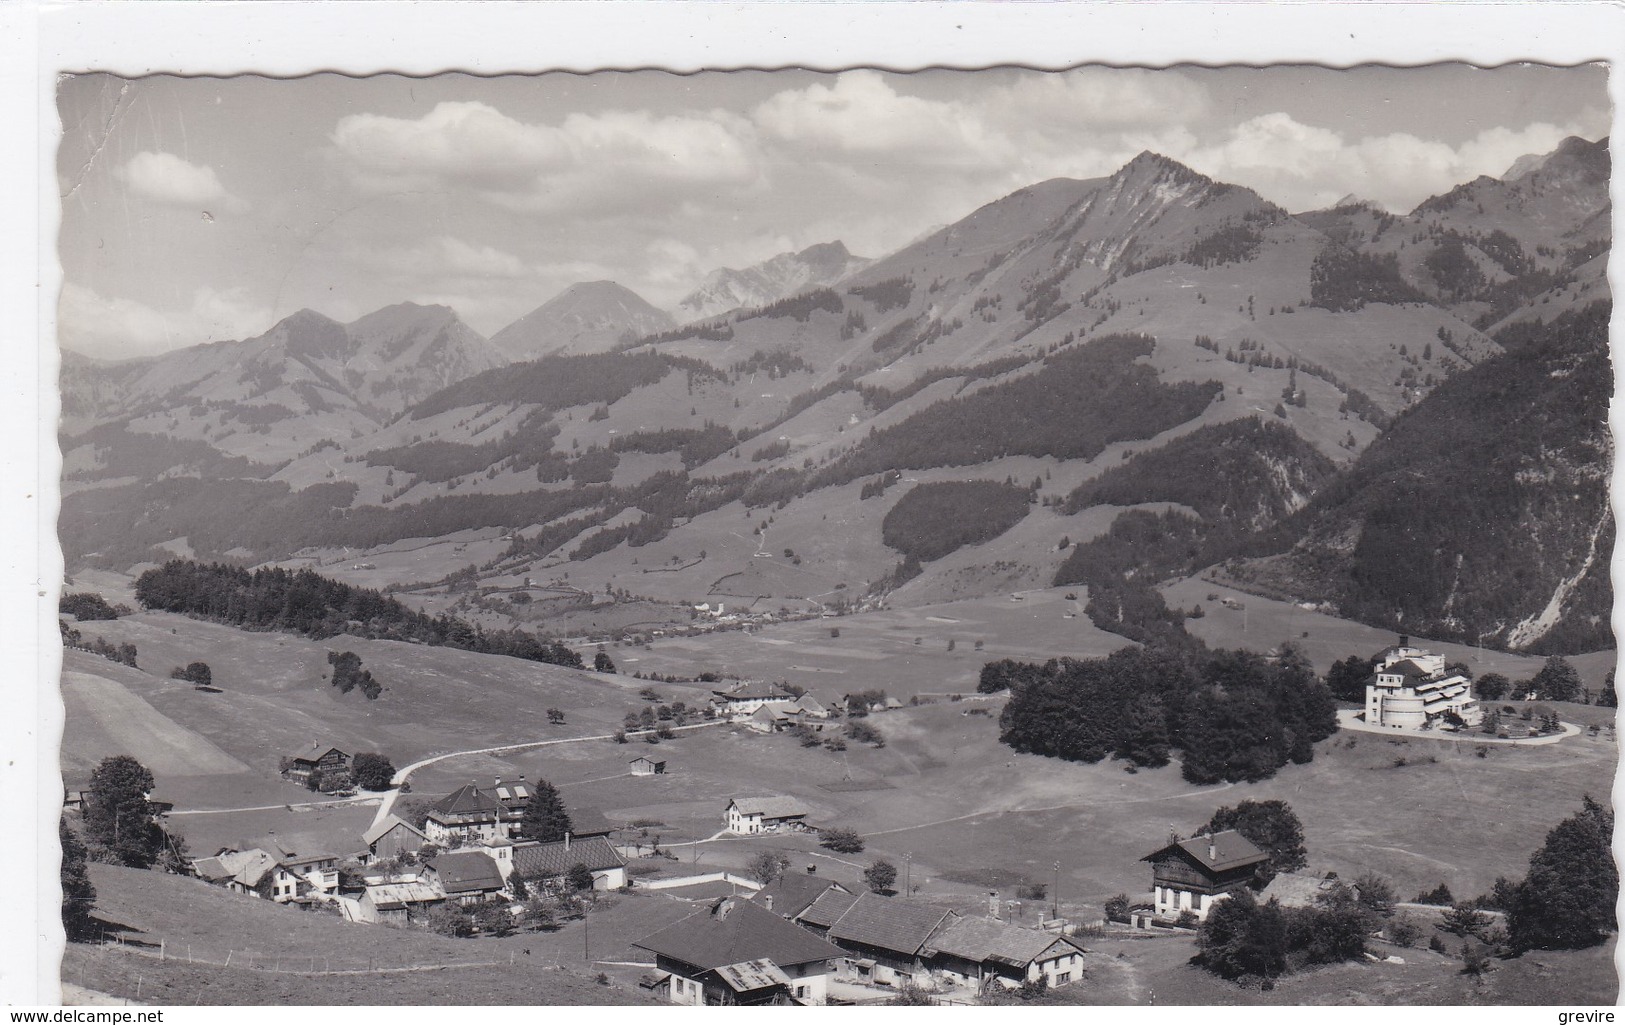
(583, 160)
(169, 180)
(117, 328)
(1303, 166)
(456, 142)
(860, 114)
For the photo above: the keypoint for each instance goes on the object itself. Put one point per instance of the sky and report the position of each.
(201, 209)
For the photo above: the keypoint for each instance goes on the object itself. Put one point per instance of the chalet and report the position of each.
(1193, 875)
(888, 938)
(547, 864)
(789, 895)
(1411, 687)
(735, 953)
(398, 903)
(475, 815)
(391, 838)
(750, 815)
(302, 765)
(746, 698)
(467, 877)
(978, 952)
(238, 871)
(304, 876)
(643, 766)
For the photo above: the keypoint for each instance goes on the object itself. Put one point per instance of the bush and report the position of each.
(842, 839)
(1403, 931)
(1117, 908)
(1436, 945)
(1438, 896)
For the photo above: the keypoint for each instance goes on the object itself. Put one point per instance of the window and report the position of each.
(801, 991)
(1062, 978)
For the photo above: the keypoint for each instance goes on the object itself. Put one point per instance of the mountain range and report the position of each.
(1141, 376)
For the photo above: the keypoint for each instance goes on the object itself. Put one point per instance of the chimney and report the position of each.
(1212, 849)
(723, 907)
(812, 870)
(566, 841)
(767, 902)
(993, 905)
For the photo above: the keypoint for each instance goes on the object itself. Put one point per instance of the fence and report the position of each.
(301, 964)
(708, 877)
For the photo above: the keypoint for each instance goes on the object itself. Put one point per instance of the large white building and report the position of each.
(1411, 687)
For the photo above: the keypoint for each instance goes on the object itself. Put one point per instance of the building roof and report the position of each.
(252, 867)
(1230, 848)
(750, 976)
(811, 705)
(749, 691)
(792, 894)
(378, 830)
(828, 908)
(982, 939)
(585, 822)
(1407, 669)
(770, 807)
(1296, 890)
(510, 792)
(645, 758)
(890, 923)
(768, 713)
(466, 871)
(314, 753)
(550, 860)
(732, 931)
(389, 896)
(467, 799)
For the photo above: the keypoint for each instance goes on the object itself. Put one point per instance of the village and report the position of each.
(787, 921)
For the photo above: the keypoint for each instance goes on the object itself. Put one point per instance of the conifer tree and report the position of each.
(545, 818)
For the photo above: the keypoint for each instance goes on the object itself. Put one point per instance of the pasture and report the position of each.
(1263, 623)
(975, 815)
(385, 965)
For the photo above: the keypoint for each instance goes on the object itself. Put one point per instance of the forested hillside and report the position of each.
(1483, 512)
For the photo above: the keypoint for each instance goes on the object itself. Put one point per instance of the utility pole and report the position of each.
(1055, 894)
(908, 875)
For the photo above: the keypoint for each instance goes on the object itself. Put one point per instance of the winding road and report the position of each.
(403, 774)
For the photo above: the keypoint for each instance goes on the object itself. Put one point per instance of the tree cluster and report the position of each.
(348, 674)
(1243, 938)
(1234, 715)
(86, 605)
(935, 519)
(545, 817)
(307, 603)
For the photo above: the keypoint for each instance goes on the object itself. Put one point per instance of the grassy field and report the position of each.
(974, 814)
(1157, 970)
(204, 922)
(1263, 623)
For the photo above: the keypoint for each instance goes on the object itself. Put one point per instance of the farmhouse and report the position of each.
(768, 719)
(1411, 688)
(746, 698)
(391, 838)
(1193, 875)
(238, 871)
(467, 877)
(398, 903)
(547, 864)
(270, 875)
(811, 707)
(302, 765)
(979, 951)
(473, 814)
(888, 937)
(749, 815)
(642, 766)
(735, 953)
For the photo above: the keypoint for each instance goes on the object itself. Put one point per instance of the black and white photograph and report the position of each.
(1003, 536)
